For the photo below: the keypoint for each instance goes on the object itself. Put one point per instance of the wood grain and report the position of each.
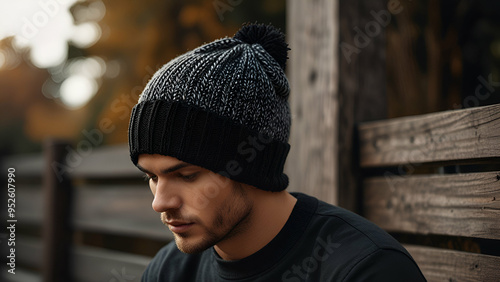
(458, 205)
(313, 74)
(447, 265)
(113, 209)
(468, 134)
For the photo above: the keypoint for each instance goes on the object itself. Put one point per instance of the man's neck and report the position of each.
(270, 212)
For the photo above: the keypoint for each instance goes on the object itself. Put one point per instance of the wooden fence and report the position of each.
(70, 218)
(86, 220)
(449, 222)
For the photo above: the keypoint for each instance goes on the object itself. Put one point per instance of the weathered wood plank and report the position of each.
(29, 252)
(458, 205)
(88, 263)
(313, 73)
(106, 162)
(94, 264)
(447, 265)
(30, 205)
(84, 162)
(122, 210)
(21, 275)
(29, 165)
(467, 134)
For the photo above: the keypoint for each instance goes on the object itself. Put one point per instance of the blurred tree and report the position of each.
(443, 55)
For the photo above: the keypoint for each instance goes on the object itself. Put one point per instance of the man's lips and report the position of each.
(179, 226)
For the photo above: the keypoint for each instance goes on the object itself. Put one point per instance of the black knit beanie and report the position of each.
(222, 106)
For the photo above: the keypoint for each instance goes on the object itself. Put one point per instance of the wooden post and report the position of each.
(312, 28)
(56, 227)
(362, 87)
(332, 92)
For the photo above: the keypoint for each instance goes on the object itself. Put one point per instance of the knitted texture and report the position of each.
(222, 106)
(232, 79)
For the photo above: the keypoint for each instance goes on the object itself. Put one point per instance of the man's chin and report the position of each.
(192, 246)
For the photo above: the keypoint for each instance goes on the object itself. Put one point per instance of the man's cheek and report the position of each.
(201, 202)
(211, 190)
(206, 195)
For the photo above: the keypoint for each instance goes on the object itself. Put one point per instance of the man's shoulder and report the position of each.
(331, 219)
(157, 265)
(169, 251)
(348, 243)
(159, 270)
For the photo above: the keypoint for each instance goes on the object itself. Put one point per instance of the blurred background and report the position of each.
(73, 69)
(66, 65)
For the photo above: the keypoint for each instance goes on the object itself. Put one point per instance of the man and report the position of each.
(211, 132)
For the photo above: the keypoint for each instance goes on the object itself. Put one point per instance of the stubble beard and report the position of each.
(232, 217)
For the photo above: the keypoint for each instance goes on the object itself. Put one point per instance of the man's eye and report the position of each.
(149, 177)
(188, 177)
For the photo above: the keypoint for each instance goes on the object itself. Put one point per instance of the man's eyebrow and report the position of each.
(168, 170)
(175, 167)
(142, 169)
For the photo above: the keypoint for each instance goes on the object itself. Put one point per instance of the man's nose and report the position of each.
(165, 198)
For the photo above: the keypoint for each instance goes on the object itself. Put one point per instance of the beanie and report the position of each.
(222, 106)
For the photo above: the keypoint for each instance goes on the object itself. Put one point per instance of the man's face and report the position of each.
(200, 207)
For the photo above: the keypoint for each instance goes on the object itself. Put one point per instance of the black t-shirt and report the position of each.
(319, 242)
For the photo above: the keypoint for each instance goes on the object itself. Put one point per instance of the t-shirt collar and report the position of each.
(270, 254)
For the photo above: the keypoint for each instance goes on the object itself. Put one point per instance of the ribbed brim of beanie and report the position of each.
(208, 140)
